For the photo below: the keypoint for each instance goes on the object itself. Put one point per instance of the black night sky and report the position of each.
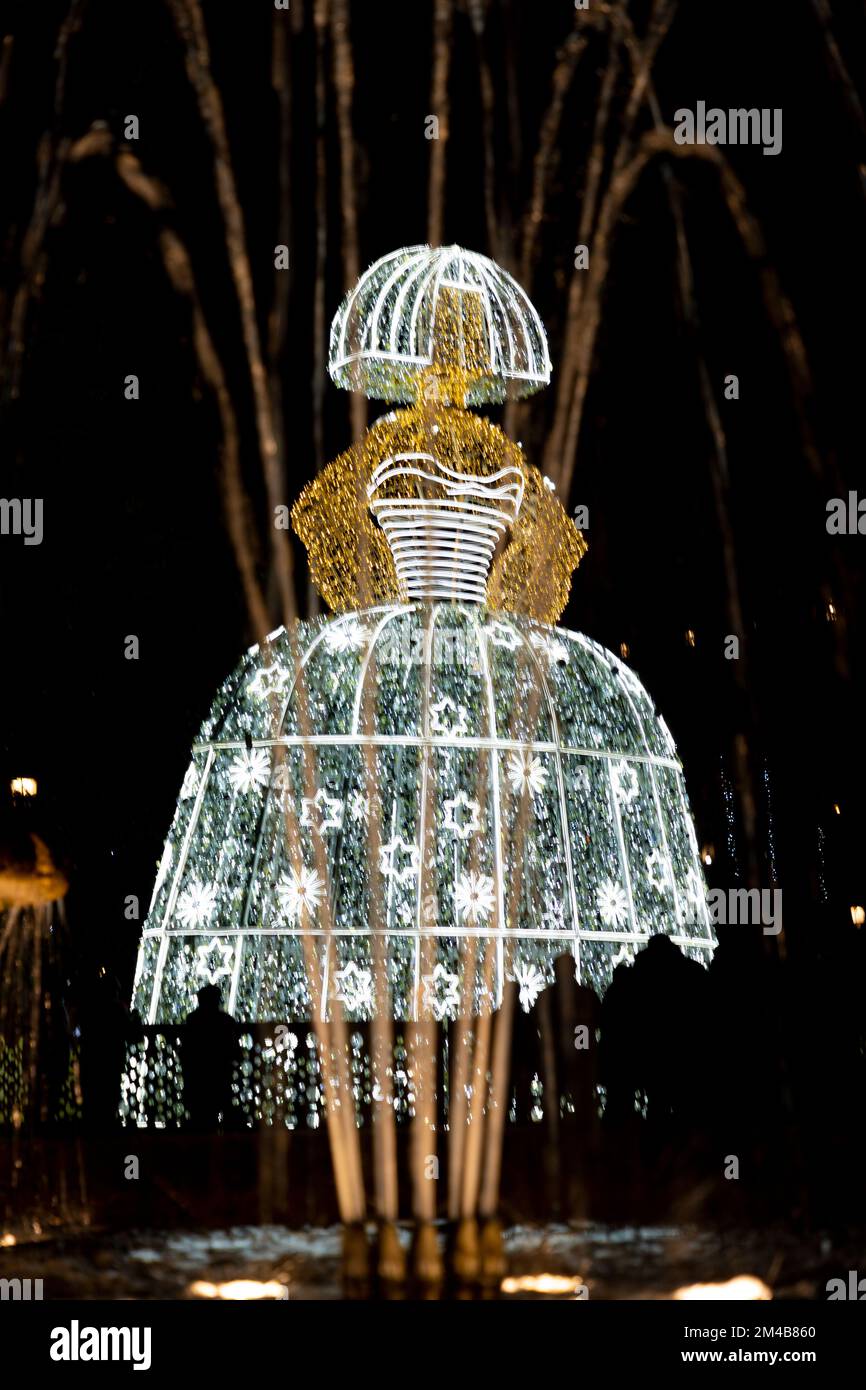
(135, 541)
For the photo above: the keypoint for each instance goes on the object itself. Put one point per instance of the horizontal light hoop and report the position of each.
(477, 933)
(429, 741)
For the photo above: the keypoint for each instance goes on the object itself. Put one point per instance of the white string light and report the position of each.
(382, 336)
(443, 539)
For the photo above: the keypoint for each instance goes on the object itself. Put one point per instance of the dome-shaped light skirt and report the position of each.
(528, 762)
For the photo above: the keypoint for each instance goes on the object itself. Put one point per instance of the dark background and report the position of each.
(135, 541)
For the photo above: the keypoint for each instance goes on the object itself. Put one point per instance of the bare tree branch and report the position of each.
(191, 30)
(439, 107)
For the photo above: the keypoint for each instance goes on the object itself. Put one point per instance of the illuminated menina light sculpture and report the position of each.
(530, 799)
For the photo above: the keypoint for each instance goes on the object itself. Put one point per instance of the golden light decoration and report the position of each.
(552, 1285)
(28, 875)
(858, 915)
(239, 1290)
(743, 1288)
(350, 560)
(23, 786)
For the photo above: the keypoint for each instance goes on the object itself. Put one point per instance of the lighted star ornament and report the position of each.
(462, 815)
(213, 960)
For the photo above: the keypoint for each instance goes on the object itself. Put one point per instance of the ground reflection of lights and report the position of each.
(553, 1284)
(743, 1288)
(239, 1290)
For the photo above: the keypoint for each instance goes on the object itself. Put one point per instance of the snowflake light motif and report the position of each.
(250, 770)
(530, 983)
(501, 635)
(322, 812)
(213, 960)
(583, 781)
(346, 636)
(441, 993)
(658, 871)
(270, 680)
(458, 718)
(464, 827)
(553, 918)
(624, 956)
(197, 904)
(300, 893)
(525, 771)
(190, 783)
(389, 854)
(623, 775)
(473, 896)
(355, 987)
(556, 652)
(612, 904)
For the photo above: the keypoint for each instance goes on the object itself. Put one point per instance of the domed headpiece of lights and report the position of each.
(530, 799)
(391, 327)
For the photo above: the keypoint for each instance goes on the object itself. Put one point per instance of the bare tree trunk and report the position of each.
(565, 65)
(344, 84)
(280, 81)
(553, 460)
(442, 27)
(493, 217)
(50, 159)
(190, 26)
(500, 1072)
(178, 267)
